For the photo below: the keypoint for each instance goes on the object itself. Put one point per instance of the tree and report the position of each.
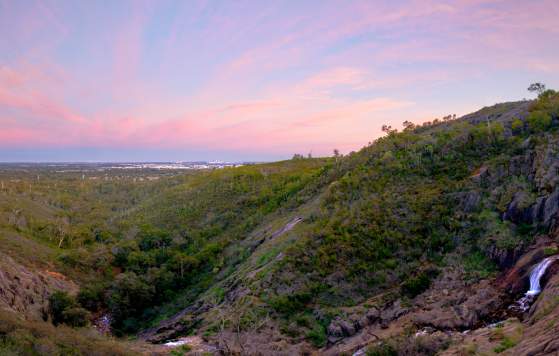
(517, 125)
(63, 308)
(128, 296)
(538, 88)
(408, 125)
(58, 302)
(539, 121)
(388, 129)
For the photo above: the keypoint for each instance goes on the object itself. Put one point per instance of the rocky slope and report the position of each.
(25, 291)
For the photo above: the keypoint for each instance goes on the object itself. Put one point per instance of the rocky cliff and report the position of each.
(25, 291)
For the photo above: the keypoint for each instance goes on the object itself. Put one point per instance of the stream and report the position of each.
(520, 306)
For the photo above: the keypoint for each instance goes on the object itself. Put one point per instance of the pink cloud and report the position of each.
(311, 80)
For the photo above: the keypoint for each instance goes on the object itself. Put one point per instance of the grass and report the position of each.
(550, 250)
(18, 337)
(505, 344)
(477, 266)
(181, 350)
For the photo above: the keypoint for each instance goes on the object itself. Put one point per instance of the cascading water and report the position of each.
(523, 304)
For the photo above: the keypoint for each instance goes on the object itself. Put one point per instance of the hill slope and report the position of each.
(431, 229)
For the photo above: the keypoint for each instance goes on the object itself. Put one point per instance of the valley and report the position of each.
(417, 244)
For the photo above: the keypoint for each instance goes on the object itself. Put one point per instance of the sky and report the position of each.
(254, 80)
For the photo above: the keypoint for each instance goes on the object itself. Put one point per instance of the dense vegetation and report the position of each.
(379, 222)
(398, 210)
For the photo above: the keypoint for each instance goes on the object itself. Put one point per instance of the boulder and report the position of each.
(394, 311)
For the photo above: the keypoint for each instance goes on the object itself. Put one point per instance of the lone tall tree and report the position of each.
(538, 88)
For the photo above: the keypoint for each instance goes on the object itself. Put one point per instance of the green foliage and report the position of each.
(181, 350)
(383, 349)
(317, 336)
(505, 344)
(129, 295)
(63, 308)
(374, 219)
(20, 337)
(415, 285)
(550, 250)
(539, 121)
(290, 304)
(75, 316)
(91, 296)
(517, 125)
(477, 266)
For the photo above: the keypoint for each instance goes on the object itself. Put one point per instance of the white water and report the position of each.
(176, 343)
(535, 276)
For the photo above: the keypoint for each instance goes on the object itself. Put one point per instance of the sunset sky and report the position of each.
(254, 80)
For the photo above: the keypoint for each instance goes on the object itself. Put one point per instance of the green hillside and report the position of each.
(293, 256)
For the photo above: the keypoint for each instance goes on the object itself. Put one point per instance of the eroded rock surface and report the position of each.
(26, 291)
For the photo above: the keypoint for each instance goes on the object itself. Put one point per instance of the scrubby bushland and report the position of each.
(379, 221)
(403, 203)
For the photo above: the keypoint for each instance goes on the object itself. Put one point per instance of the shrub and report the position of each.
(539, 121)
(505, 344)
(317, 336)
(290, 304)
(63, 308)
(75, 316)
(517, 125)
(59, 301)
(415, 285)
(381, 350)
(550, 250)
(181, 350)
(91, 297)
(478, 266)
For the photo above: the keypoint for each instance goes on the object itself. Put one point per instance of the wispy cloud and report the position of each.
(250, 76)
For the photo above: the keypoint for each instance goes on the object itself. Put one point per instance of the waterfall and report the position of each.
(537, 273)
(523, 304)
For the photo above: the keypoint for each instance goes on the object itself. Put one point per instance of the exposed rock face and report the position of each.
(541, 333)
(516, 280)
(535, 203)
(505, 258)
(550, 209)
(394, 311)
(454, 314)
(351, 325)
(178, 325)
(518, 212)
(26, 291)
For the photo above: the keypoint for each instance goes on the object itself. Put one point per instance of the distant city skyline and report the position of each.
(121, 81)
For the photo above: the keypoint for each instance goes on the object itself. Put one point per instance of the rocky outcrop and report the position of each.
(516, 280)
(350, 325)
(456, 315)
(504, 257)
(178, 325)
(542, 327)
(26, 291)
